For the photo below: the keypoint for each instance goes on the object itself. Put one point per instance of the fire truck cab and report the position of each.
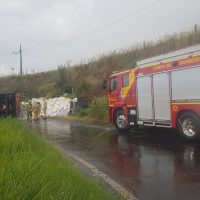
(163, 91)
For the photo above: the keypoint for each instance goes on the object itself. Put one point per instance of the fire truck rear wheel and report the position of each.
(120, 121)
(188, 125)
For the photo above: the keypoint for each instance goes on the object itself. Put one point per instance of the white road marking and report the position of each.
(120, 189)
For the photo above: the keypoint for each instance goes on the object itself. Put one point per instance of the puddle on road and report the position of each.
(155, 165)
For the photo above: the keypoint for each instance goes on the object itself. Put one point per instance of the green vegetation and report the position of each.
(85, 79)
(97, 110)
(32, 169)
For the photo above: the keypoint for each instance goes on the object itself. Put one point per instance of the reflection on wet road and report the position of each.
(153, 165)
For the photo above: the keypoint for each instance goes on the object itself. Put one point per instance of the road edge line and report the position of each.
(116, 186)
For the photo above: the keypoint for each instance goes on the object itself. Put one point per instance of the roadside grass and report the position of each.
(32, 169)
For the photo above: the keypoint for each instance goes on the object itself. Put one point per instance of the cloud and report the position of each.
(34, 21)
(5, 70)
(40, 23)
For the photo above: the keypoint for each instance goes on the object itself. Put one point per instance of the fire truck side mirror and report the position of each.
(105, 85)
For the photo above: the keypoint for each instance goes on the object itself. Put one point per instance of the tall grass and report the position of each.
(32, 169)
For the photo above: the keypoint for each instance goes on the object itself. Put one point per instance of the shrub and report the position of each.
(98, 109)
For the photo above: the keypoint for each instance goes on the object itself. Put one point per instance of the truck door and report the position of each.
(161, 92)
(144, 98)
(113, 91)
(153, 99)
(189, 79)
(11, 104)
(128, 88)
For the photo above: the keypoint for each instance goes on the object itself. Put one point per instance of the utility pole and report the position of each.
(20, 54)
(20, 57)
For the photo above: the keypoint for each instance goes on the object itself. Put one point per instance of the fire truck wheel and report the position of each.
(189, 126)
(120, 121)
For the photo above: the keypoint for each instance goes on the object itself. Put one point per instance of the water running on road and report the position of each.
(153, 165)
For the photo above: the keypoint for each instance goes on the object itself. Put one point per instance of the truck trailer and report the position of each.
(163, 91)
(9, 104)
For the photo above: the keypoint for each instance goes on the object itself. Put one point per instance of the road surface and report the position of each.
(152, 165)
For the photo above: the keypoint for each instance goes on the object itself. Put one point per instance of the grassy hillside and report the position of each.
(85, 79)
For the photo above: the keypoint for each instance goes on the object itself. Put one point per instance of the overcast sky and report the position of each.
(53, 32)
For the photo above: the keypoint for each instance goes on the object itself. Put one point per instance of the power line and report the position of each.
(97, 19)
(100, 28)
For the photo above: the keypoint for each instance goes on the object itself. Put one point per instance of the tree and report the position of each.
(61, 79)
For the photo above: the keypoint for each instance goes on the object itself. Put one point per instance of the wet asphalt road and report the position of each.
(153, 165)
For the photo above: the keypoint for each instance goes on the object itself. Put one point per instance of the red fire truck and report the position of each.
(163, 91)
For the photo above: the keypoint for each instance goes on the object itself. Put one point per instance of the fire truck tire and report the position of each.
(188, 125)
(120, 121)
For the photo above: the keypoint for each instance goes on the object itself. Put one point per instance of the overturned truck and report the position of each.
(9, 104)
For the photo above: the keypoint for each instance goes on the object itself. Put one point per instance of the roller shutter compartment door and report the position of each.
(144, 98)
(161, 97)
(186, 84)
